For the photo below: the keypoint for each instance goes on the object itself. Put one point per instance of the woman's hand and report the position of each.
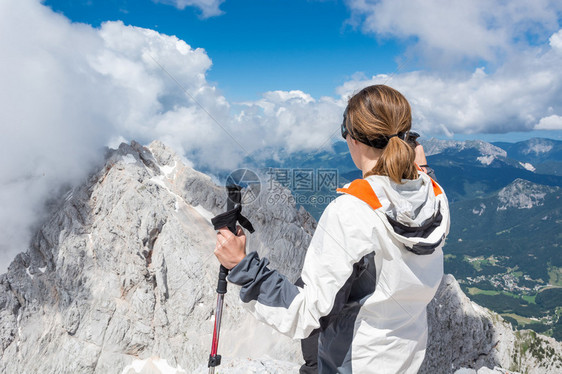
(230, 249)
(420, 157)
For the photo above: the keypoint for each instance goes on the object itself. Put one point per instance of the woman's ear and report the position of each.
(357, 143)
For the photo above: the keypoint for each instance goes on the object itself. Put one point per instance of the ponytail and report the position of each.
(396, 161)
(374, 114)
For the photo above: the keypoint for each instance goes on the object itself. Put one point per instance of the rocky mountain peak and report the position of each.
(523, 194)
(124, 270)
(434, 146)
(538, 146)
(122, 276)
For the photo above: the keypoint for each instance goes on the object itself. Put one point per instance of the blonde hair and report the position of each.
(377, 112)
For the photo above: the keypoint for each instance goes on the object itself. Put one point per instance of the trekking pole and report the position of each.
(228, 219)
(214, 358)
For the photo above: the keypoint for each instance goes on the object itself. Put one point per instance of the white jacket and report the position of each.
(373, 265)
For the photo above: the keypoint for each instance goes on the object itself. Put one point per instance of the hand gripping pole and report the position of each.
(228, 219)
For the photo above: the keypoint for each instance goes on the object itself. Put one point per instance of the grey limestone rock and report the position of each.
(124, 270)
(434, 146)
(463, 334)
(123, 273)
(522, 194)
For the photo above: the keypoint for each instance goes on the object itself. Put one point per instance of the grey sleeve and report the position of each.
(260, 283)
(431, 173)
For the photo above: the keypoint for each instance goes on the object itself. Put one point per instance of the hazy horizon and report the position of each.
(218, 80)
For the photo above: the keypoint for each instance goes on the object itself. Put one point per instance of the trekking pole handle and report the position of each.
(223, 272)
(232, 225)
(221, 286)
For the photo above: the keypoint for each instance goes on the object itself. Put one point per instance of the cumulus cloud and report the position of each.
(556, 41)
(552, 122)
(514, 97)
(209, 8)
(69, 90)
(453, 30)
(43, 119)
(517, 44)
(292, 121)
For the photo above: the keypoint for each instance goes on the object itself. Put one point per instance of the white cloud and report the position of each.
(69, 89)
(452, 30)
(512, 98)
(209, 8)
(290, 120)
(47, 131)
(556, 41)
(552, 122)
(520, 84)
(284, 96)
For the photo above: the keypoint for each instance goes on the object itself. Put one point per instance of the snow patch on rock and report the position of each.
(528, 166)
(204, 212)
(484, 370)
(152, 366)
(129, 159)
(481, 210)
(486, 160)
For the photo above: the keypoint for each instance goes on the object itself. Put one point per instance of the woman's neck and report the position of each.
(368, 159)
(364, 157)
(368, 165)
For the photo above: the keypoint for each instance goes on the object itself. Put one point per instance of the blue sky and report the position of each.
(259, 45)
(221, 80)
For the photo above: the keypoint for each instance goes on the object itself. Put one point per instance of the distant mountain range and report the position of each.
(506, 225)
(120, 278)
(505, 250)
(474, 168)
(467, 169)
(535, 150)
(544, 154)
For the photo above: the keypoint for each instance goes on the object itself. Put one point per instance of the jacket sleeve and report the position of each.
(332, 259)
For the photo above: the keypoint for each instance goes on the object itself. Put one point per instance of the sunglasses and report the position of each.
(344, 130)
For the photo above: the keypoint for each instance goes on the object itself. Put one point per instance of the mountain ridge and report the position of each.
(124, 270)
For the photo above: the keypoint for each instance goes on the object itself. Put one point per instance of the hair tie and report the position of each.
(392, 136)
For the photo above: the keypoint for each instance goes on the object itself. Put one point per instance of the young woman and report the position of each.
(375, 260)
